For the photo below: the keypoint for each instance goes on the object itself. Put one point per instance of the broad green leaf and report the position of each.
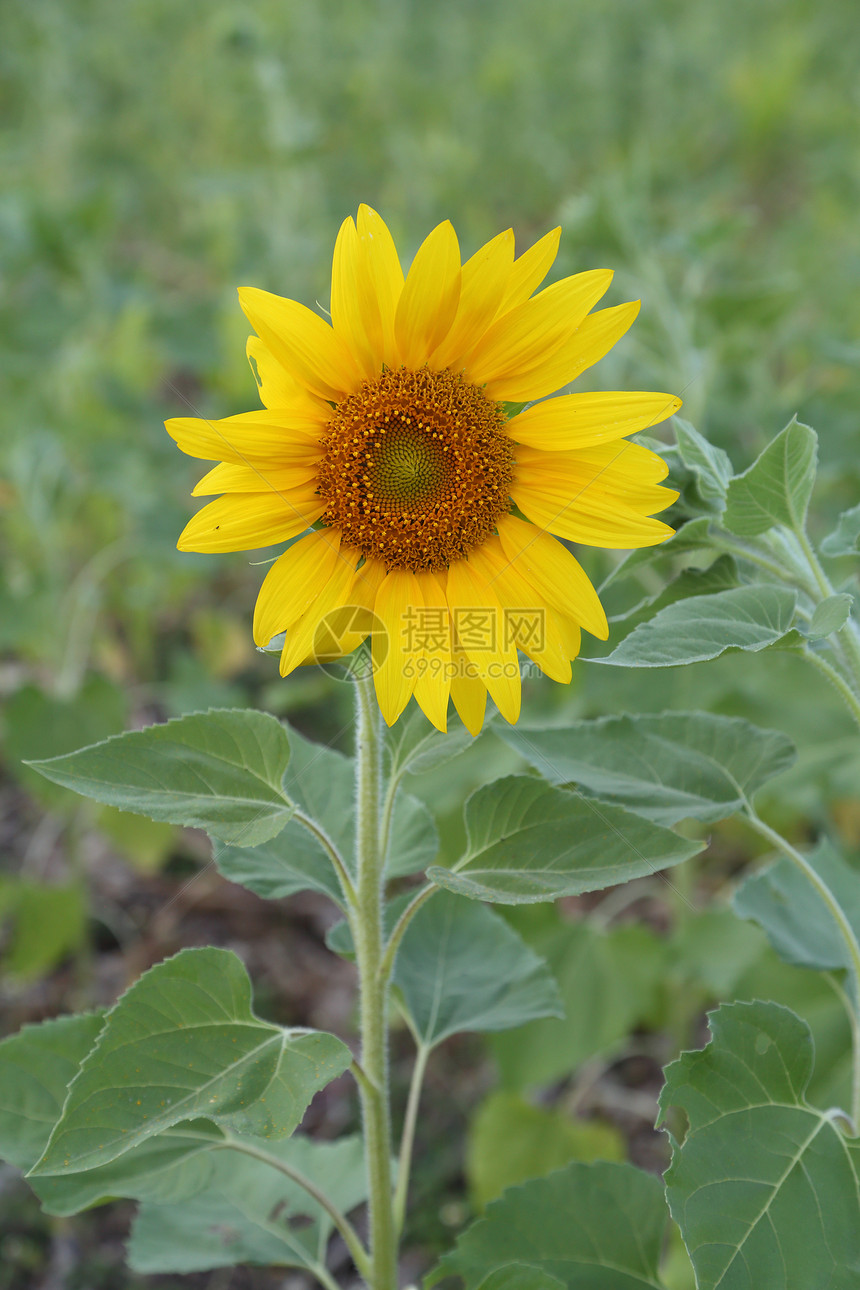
(593, 1227)
(519, 1276)
(36, 1066)
(511, 1141)
(668, 766)
(764, 1187)
(711, 466)
(793, 915)
(462, 967)
(529, 842)
(183, 1043)
(252, 1213)
(220, 771)
(829, 616)
(845, 538)
(414, 745)
(321, 783)
(777, 487)
(610, 982)
(703, 627)
(720, 575)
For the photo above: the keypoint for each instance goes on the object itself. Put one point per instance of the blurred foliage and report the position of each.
(158, 155)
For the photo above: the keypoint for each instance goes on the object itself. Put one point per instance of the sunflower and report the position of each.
(426, 500)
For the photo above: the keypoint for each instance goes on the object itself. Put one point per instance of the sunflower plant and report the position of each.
(414, 454)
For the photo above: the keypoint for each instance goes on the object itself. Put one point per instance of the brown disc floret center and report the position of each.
(416, 468)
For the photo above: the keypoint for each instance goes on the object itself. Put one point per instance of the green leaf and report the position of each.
(252, 1213)
(590, 1226)
(610, 982)
(413, 745)
(704, 627)
(321, 784)
(711, 466)
(845, 538)
(764, 1186)
(667, 766)
(528, 842)
(829, 616)
(520, 1276)
(795, 918)
(183, 1043)
(511, 1141)
(462, 967)
(777, 487)
(220, 771)
(36, 1067)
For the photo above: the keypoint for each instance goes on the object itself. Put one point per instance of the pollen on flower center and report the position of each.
(416, 468)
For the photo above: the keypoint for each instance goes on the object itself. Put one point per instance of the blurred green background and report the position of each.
(156, 155)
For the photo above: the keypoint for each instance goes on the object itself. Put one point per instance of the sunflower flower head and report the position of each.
(425, 516)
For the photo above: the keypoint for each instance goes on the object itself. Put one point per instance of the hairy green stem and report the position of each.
(837, 680)
(373, 989)
(342, 1223)
(839, 917)
(401, 925)
(854, 1023)
(408, 1138)
(346, 883)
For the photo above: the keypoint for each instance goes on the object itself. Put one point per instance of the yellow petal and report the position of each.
(433, 640)
(300, 340)
(468, 692)
(294, 581)
(354, 305)
(591, 521)
(628, 467)
(479, 625)
(484, 278)
(305, 637)
(430, 297)
(521, 339)
(248, 521)
(277, 388)
(394, 680)
(529, 621)
(529, 271)
(554, 573)
(587, 345)
(382, 267)
(252, 438)
(580, 420)
(229, 478)
(358, 620)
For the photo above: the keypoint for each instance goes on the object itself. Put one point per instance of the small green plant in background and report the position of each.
(181, 1097)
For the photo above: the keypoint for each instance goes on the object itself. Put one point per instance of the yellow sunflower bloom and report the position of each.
(424, 508)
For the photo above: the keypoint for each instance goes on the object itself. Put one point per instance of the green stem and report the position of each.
(342, 1223)
(387, 965)
(837, 680)
(406, 1142)
(854, 1023)
(373, 989)
(347, 885)
(847, 634)
(839, 917)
